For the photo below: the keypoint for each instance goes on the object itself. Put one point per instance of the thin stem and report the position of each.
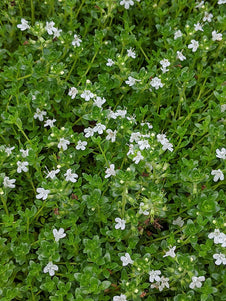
(25, 76)
(90, 65)
(103, 155)
(28, 227)
(22, 131)
(32, 184)
(124, 195)
(72, 68)
(80, 7)
(39, 211)
(166, 236)
(5, 205)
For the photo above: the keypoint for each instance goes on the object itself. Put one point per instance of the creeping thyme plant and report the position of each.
(112, 150)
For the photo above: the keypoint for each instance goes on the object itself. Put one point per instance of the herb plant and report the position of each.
(112, 150)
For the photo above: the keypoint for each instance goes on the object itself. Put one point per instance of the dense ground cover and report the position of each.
(112, 150)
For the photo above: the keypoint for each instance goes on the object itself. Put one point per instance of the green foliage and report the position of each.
(101, 159)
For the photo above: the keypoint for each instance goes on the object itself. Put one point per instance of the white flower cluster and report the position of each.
(218, 237)
(116, 114)
(165, 142)
(217, 173)
(52, 30)
(161, 282)
(40, 116)
(50, 267)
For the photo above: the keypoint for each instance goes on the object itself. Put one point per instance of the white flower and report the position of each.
(42, 193)
(22, 166)
(24, 152)
(220, 258)
(141, 211)
(99, 128)
(98, 101)
(143, 144)
(72, 92)
(8, 150)
(171, 252)
(63, 143)
(221, 153)
(194, 45)
(50, 27)
(8, 183)
(135, 137)
(165, 63)
(196, 282)
(180, 56)
(58, 234)
(89, 132)
(127, 3)
(199, 4)
(177, 34)
(76, 41)
(216, 36)
(39, 114)
(154, 275)
(164, 282)
(126, 259)
(179, 222)
(148, 124)
(161, 284)
(156, 83)
(223, 108)
(138, 157)
(111, 135)
(24, 25)
(131, 149)
(131, 53)
(162, 138)
(198, 26)
(52, 174)
(223, 240)
(87, 95)
(165, 142)
(110, 171)
(50, 268)
(207, 17)
(120, 298)
(70, 176)
(168, 146)
(112, 114)
(56, 32)
(131, 81)
(49, 122)
(221, 2)
(218, 174)
(81, 145)
(217, 236)
(110, 62)
(120, 223)
(121, 113)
